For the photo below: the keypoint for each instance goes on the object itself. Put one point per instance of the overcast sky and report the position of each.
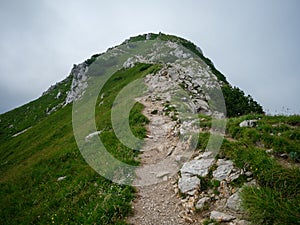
(255, 44)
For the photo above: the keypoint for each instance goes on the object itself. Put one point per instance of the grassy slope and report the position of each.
(31, 163)
(277, 200)
(31, 113)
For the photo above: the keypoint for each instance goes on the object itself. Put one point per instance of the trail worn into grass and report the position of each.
(156, 201)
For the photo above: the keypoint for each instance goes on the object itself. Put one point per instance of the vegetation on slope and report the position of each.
(260, 149)
(32, 162)
(33, 112)
(271, 151)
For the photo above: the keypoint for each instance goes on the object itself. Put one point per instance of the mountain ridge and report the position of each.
(45, 178)
(233, 96)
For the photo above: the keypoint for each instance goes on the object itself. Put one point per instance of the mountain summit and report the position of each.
(135, 115)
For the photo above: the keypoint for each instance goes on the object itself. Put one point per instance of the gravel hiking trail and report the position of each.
(156, 200)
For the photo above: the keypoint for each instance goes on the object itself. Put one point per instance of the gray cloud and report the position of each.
(254, 43)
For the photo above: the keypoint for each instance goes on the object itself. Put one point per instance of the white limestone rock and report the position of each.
(187, 184)
(197, 167)
(248, 123)
(234, 202)
(61, 178)
(224, 169)
(91, 135)
(201, 203)
(221, 217)
(148, 36)
(79, 82)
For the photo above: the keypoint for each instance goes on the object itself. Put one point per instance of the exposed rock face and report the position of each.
(148, 36)
(79, 82)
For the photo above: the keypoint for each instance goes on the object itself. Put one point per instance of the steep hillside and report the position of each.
(46, 177)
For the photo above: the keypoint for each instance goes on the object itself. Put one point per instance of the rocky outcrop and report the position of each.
(216, 198)
(79, 82)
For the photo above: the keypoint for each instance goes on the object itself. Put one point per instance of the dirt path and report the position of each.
(156, 201)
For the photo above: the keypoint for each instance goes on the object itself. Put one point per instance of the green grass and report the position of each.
(282, 134)
(33, 112)
(31, 163)
(277, 199)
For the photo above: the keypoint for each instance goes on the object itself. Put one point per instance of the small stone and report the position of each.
(284, 155)
(162, 174)
(192, 193)
(206, 155)
(248, 123)
(92, 135)
(61, 178)
(234, 176)
(221, 217)
(234, 202)
(201, 203)
(242, 222)
(179, 158)
(252, 183)
(248, 174)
